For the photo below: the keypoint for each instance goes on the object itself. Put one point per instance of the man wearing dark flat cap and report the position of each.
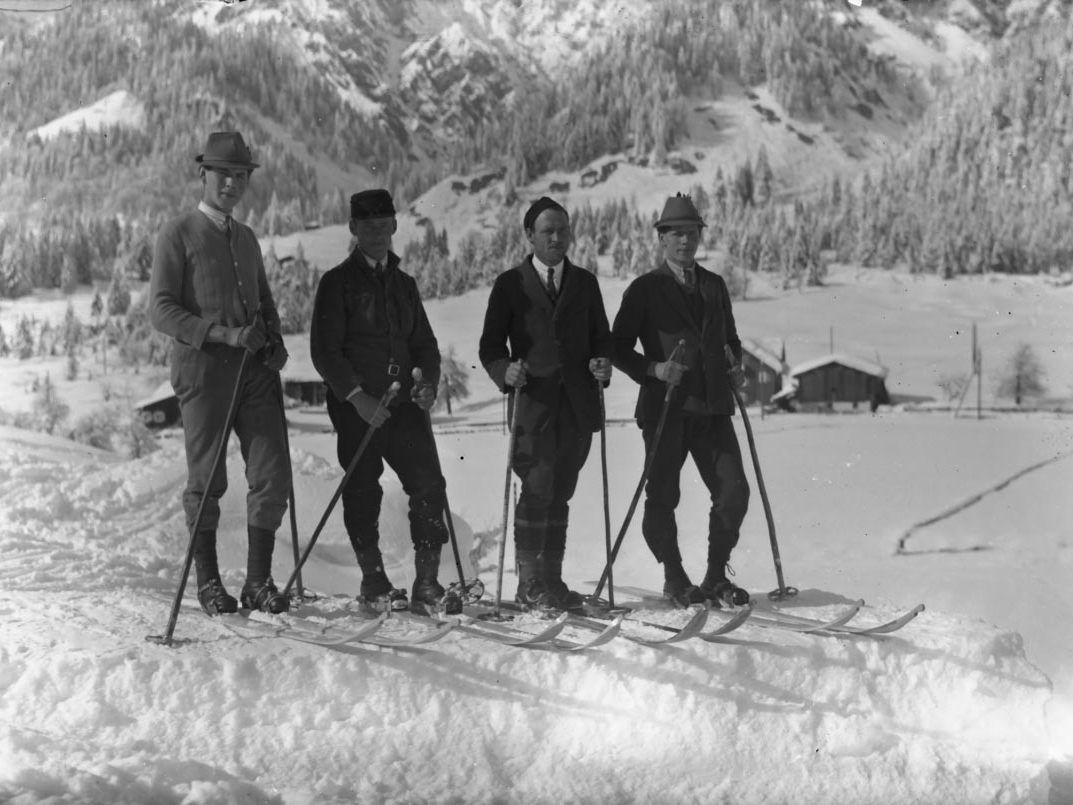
(369, 330)
(546, 333)
(681, 301)
(208, 291)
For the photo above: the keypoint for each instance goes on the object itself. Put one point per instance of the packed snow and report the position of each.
(971, 702)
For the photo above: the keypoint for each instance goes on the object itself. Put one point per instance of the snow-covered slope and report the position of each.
(949, 711)
(119, 108)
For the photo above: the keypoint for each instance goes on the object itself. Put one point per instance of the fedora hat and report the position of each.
(226, 149)
(679, 211)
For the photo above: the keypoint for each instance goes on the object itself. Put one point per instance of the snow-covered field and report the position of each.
(971, 702)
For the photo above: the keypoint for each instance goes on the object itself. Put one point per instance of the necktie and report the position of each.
(551, 283)
(378, 271)
(688, 276)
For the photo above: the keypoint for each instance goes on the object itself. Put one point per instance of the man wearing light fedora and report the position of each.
(681, 301)
(208, 291)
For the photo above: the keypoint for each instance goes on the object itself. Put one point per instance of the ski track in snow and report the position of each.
(949, 710)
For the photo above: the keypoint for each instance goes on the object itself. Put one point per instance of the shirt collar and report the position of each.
(372, 261)
(216, 216)
(679, 271)
(542, 267)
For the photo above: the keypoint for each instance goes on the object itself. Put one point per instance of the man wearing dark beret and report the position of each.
(681, 301)
(209, 292)
(546, 333)
(369, 330)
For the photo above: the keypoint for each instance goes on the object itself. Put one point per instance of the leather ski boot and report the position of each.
(376, 591)
(565, 598)
(212, 596)
(214, 599)
(429, 596)
(263, 596)
(677, 588)
(718, 589)
(259, 592)
(533, 594)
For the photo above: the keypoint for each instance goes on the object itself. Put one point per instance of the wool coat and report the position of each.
(657, 312)
(556, 339)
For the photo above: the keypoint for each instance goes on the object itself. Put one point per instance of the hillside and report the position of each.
(335, 95)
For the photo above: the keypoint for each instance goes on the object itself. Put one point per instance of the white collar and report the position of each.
(542, 267)
(218, 217)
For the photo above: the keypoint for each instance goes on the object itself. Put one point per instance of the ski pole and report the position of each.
(300, 593)
(388, 395)
(783, 592)
(649, 460)
(506, 499)
(217, 459)
(464, 586)
(607, 503)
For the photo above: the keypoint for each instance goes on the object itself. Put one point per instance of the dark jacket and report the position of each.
(556, 340)
(363, 326)
(656, 310)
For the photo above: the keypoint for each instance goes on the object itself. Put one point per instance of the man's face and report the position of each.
(550, 236)
(680, 243)
(374, 235)
(224, 187)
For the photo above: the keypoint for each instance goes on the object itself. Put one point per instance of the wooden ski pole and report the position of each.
(649, 459)
(292, 513)
(221, 449)
(506, 500)
(783, 592)
(464, 587)
(362, 445)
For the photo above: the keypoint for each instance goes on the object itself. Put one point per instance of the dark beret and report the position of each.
(537, 207)
(371, 204)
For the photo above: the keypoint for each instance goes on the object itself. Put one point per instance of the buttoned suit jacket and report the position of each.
(555, 339)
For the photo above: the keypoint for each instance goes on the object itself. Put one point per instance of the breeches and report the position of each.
(404, 443)
(204, 383)
(712, 443)
(550, 449)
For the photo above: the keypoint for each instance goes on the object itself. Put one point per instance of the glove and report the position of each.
(424, 394)
(274, 355)
(515, 374)
(737, 377)
(600, 368)
(369, 408)
(251, 337)
(670, 372)
(736, 373)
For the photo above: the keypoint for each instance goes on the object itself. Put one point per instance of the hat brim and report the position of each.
(223, 163)
(680, 222)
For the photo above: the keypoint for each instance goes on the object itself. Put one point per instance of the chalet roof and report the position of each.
(841, 358)
(162, 392)
(762, 354)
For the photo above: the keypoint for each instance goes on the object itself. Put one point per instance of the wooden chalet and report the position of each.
(836, 379)
(765, 372)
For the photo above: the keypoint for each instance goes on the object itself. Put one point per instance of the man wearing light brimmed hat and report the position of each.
(369, 330)
(681, 301)
(209, 292)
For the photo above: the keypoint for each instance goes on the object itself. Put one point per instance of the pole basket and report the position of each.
(782, 593)
(602, 607)
(470, 590)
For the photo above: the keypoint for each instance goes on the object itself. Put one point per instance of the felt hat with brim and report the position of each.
(679, 211)
(226, 149)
